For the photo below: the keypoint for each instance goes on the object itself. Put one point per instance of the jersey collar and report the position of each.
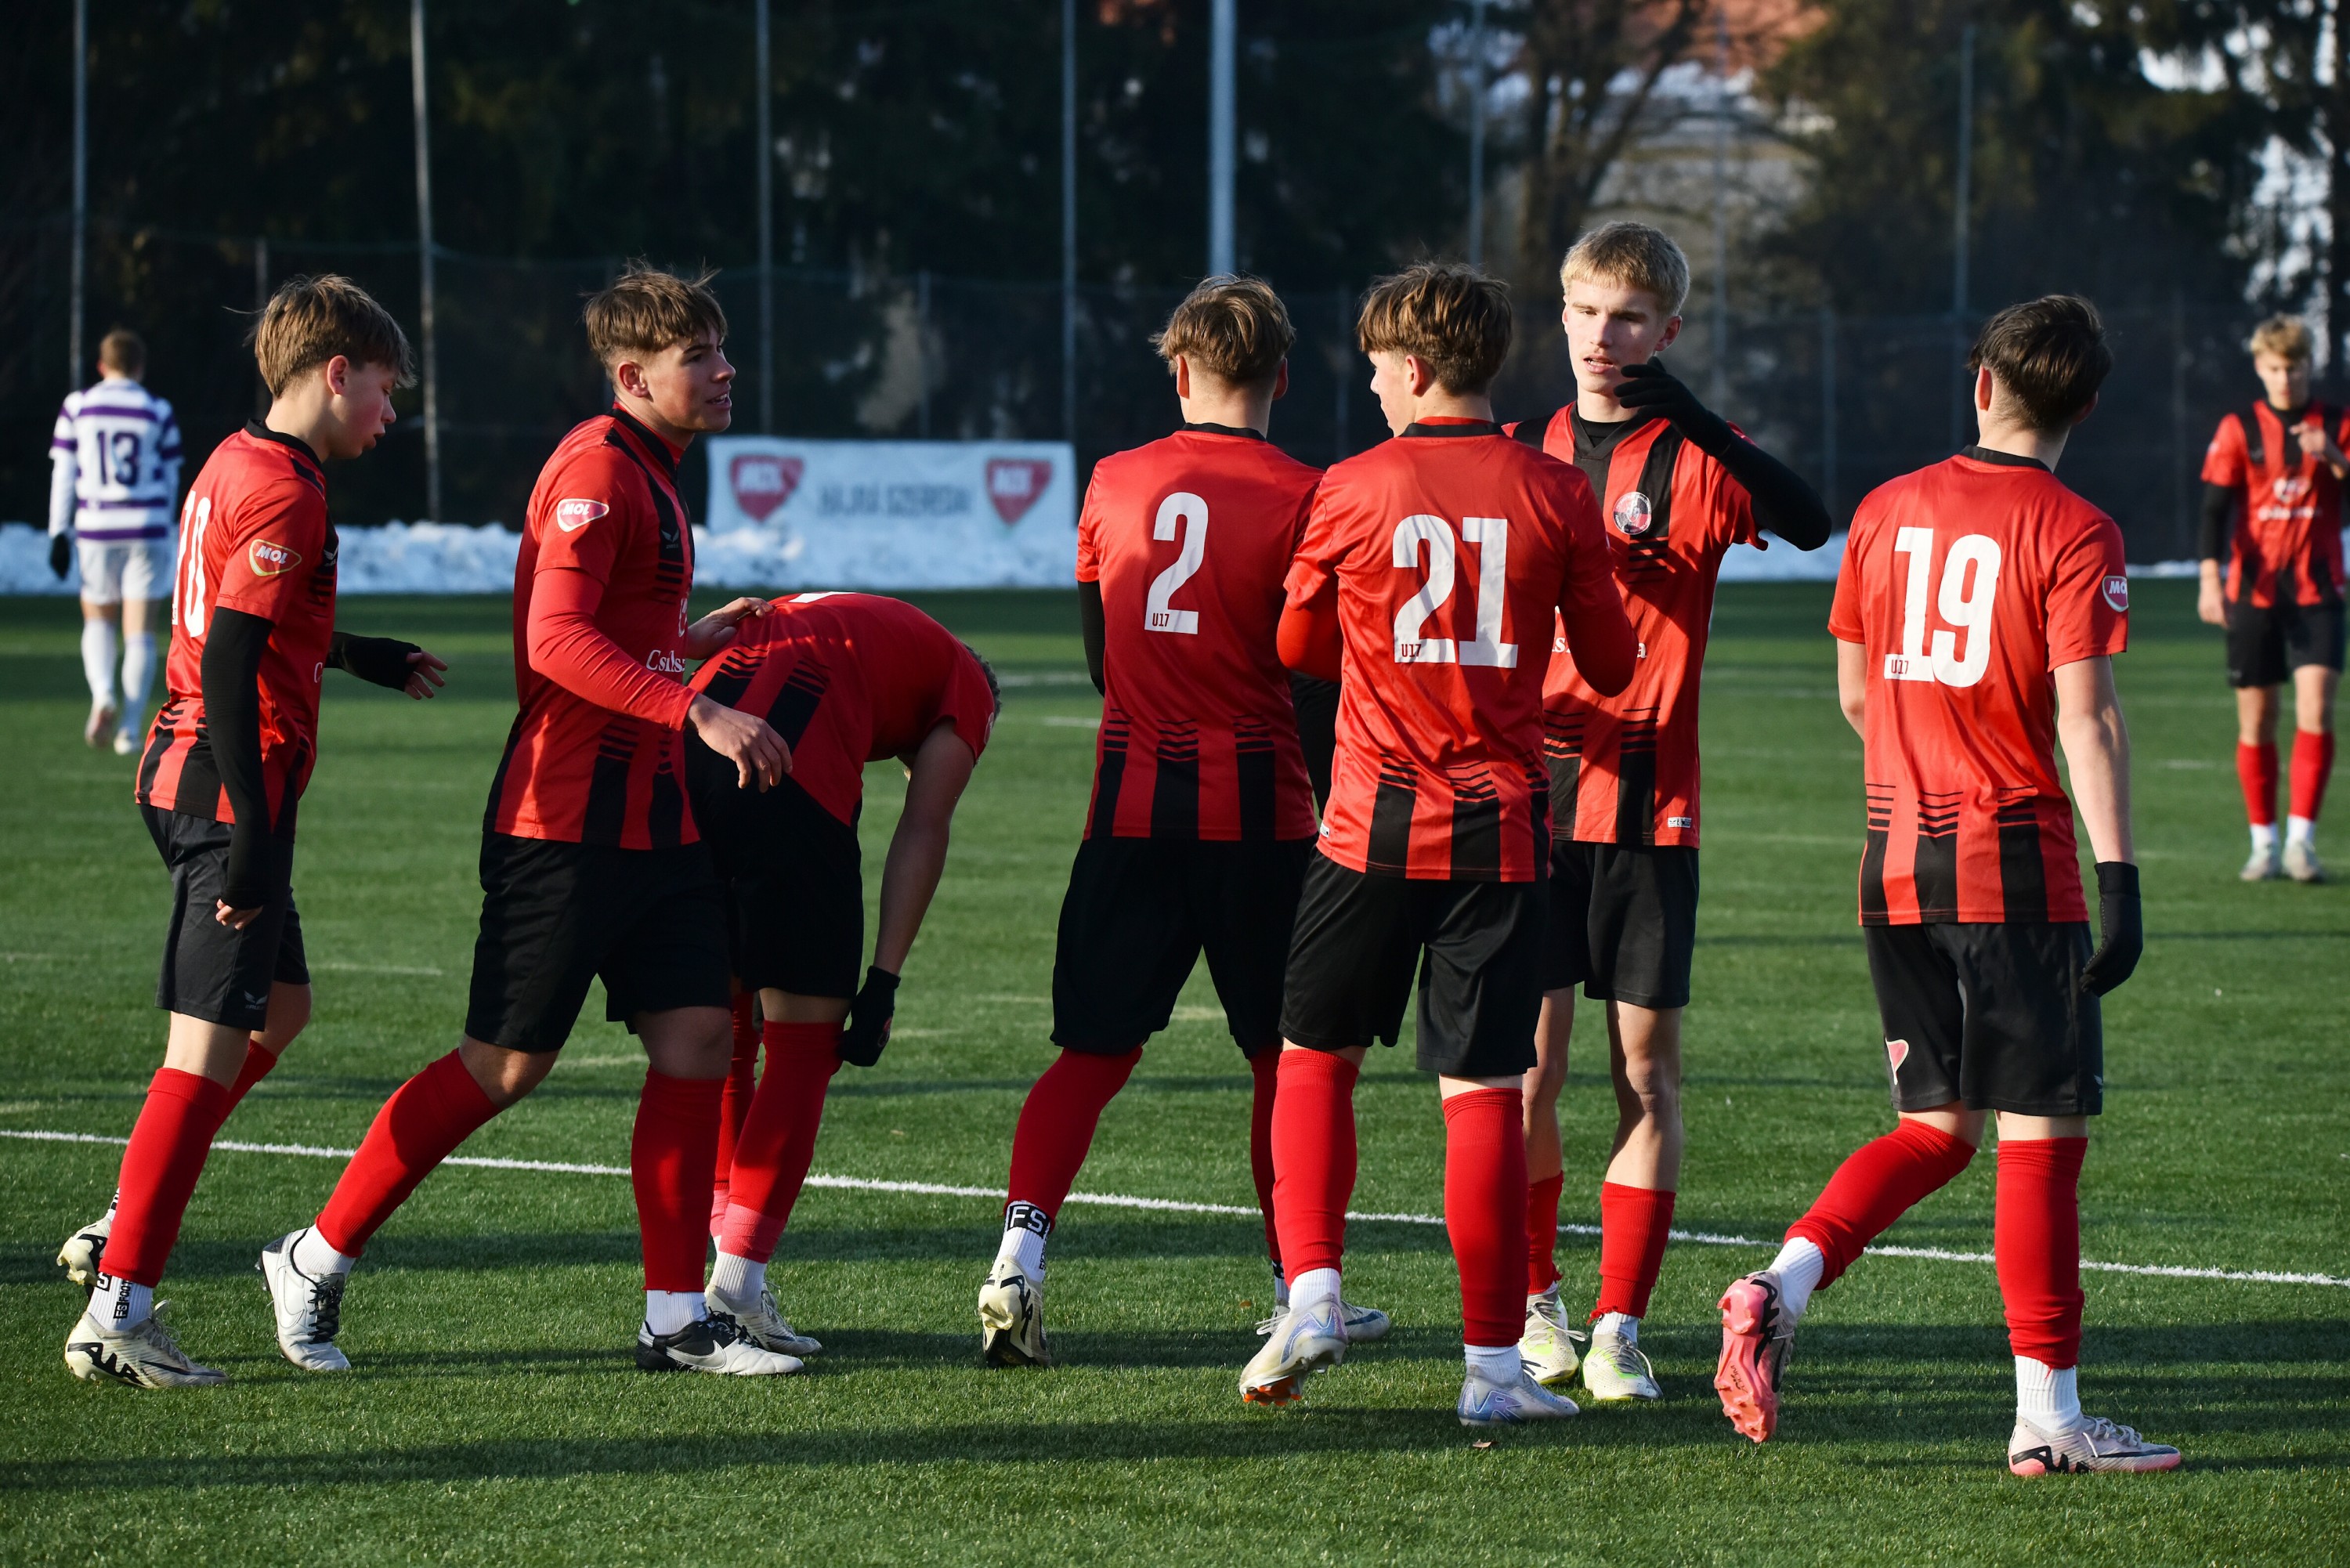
(1203, 428)
(1450, 426)
(260, 432)
(660, 451)
(2003, 459)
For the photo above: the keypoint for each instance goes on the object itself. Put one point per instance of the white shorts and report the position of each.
(115, 569)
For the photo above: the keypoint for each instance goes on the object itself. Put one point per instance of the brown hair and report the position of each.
(2048, 355)
(1234, 329)
(2287, 336)
(310, 320)
(1448, 314)
(121, 352)
(1630, 255)
(646, 310)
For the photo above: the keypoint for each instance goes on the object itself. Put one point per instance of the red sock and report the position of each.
(257, 1063)
(1265, 1068)
(672, 1159)
(2036, 1238)
(2256, 769)
(742, 1081)
(1634, 1224)
(1542, 1232)
(2313, 765)
(1485, 1210)
(1313, 1159)
(1057, 1124)
(778, 1140)
(168, 1145)
(421, 1125)
(1876, 1186)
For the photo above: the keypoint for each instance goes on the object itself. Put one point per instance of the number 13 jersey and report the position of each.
(1968, 584)
(1189, 537)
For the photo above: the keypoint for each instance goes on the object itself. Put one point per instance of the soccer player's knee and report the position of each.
(289, 1015)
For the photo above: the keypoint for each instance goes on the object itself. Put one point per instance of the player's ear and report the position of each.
(1664, 338)
(337, 372)
(1986, 388)
(1182, 375)
(1281, 381)
(2090, 408)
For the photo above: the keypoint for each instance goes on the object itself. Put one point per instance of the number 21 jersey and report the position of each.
(1969, 585)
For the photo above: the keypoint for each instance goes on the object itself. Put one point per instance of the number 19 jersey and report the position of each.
(1969, 585)
(1188, 538)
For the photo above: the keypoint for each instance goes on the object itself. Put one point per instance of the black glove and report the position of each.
(60, 554)
(868, 1028)
(1652, 388)
(2122, 930)
(378, 660)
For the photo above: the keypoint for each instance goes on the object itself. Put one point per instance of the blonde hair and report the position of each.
(1234, 329)
(646, 310)
(2287, 336)
(1630, 255)
(310, 320)
(121, 352)
(1450, 316)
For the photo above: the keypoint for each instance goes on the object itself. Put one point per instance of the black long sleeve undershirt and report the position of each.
(378, 660)
(1092, 626)
(1784, 502)
(2219, 501)
(233, 645)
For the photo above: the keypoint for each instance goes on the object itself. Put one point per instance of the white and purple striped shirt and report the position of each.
(115, 459)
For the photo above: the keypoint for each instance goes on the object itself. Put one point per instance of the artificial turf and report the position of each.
(495, 1413)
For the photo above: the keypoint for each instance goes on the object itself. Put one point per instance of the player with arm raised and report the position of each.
(844, 679)
(1979, 608)
(1678, 487)
(1432, 574)
(220, 780)
(1202, 816)
(591, 866)
(2277, 468)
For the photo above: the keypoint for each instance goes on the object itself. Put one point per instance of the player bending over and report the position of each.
(1202, 816)
(223, 771)
(1977, 616)
(844, 679)
(2279, 468)
(114, 471)
(1431, 573)
(591, 868)
(1678, 487)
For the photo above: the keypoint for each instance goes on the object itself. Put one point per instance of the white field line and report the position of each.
(1180, 1206)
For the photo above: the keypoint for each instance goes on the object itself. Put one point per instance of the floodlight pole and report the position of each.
(424, 264)
(1069, 221)
(80, 263)
(1220, 135)
(1721, 377)
(1477, 133)
(766, 134)
(1961, 399)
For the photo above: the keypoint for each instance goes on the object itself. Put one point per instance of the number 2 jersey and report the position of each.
(1968, 584)
(1188, 538)
(1455, 551)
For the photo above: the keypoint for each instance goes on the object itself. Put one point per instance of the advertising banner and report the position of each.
(890, 513)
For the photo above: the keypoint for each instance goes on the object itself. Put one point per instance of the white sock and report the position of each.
(120, 1304)
(1026, 1228)
(739, 1279)
(2299, 830)
(1799, 1265)
(2048, 1399)
(98, 662)
(666, 1311)
(1495, 1363)
(2264, 838)
(1311, 1288)
(1622, 1324)
(1280, 1290)
(315, 1260)
(138, 675)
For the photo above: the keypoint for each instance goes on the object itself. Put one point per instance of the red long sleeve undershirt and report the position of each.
(569, 649)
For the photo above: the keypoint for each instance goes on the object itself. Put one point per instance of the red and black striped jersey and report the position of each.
(254, 537)
(1190, 537)
(1969, 585)
(2287, 545)
(605, 511)
(1624, 769)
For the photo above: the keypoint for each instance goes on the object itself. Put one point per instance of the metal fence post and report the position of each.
(1828, 408)
(922, 345)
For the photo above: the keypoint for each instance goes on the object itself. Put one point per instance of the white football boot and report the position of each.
(711, 1344)
(763, 1322)
(2300, 862)
(1011, 1318)
(102, 720)
(309, 1311)
(1486, 1403)
(2266, 864)
(143, 1355)
(1364, 1324)
(2096, 1445)
(79, 1257)
(1301, 1344)
(126, 742)
(1547, 1347)
(1614, 1369)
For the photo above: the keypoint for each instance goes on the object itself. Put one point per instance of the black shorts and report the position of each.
(1990, 1015)
(795, 880)
(209, 970)
(649, 923)
(1140, 912)
(2266, 643)
(1479, 947)
(1623, 921)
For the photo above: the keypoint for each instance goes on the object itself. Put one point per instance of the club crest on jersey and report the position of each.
(573, 516)
(269, 558)
(1016, 484)
(1895, 1052)
(2117, 592)
(1633, 514)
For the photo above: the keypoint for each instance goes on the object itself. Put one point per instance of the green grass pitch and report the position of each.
(495, 1415)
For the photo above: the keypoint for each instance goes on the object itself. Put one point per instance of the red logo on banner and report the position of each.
(1014, 483)
(762, 482)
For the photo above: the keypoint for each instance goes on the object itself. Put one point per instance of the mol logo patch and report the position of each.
(761, 483)
(2117, 592)
(573, 516)
(1014, 483)
(268, 559)
(1633, 514)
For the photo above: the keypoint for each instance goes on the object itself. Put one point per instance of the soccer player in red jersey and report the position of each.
(844, 679)
(1202, 816)
(1976, 615)
(1678, 487)
(223, 770)
(1435, 570)
(2278, 467)
(591, 868)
